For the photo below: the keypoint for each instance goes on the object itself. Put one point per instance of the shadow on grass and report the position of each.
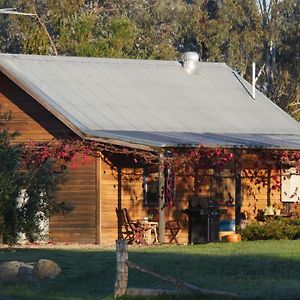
(90, 274)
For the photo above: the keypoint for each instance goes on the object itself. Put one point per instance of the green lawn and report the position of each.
(254, 270)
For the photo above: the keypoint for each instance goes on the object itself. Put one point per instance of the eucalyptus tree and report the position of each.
(280, 52)
(287, 81)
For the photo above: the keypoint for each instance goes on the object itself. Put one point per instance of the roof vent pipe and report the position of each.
(190, 60)
(253, 80)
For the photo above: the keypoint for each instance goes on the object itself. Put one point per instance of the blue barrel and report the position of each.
(227, 225)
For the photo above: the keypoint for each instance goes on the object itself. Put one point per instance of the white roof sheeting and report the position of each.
(153, 103)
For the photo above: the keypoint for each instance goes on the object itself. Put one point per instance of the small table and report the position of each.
(150, 227)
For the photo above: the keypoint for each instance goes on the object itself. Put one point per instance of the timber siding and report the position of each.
(31, 120)
(34, 123)
(79, 225)
(132, 198)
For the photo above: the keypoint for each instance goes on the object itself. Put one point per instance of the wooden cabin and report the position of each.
(154, 106)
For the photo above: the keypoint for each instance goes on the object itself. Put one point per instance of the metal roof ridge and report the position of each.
(84, 59)
(101, 60)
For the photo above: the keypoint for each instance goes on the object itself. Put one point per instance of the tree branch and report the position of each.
(47, 32)
(294, 104)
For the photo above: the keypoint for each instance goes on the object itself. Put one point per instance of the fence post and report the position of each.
(122, 269)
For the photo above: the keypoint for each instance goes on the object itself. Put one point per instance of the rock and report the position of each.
(16, 271)
(25, 273)
(46, 269)
(9, 271)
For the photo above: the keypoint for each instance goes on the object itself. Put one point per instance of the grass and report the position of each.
(254, 270)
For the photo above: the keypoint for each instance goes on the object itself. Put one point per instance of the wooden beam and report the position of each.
(181, 284)
(145, 292)
(98, 198)
(161, 201)
(120, 236)
(238, 198)
(269, 187)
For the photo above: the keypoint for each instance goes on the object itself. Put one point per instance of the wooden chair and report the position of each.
(126, 230)
(127, 216)
(174, 227)
(134, 231)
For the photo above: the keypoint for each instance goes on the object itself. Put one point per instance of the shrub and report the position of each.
(277, 229)
(37, 182)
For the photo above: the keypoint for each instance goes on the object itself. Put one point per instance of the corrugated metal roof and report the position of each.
(154, 103)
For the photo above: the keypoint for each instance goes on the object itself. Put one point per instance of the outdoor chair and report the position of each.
(173, 227)
(127, 216)
(133, 231)
(126, 230)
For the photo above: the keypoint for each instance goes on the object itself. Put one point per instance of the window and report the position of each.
(290, 186)
(150, 189)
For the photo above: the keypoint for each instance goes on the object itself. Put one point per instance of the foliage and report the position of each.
(277, 229)
(10, 180)
(27, 190)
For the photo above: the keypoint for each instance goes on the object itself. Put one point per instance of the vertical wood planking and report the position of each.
(79, 225)
(109, 196)
(98, 198)
(28, 117)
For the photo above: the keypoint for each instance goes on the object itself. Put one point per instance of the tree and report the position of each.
(27, 190)
(10, 181)
(242, 34)
(287, 81)
(280, 56)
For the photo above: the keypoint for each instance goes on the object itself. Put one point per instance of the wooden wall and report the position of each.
(109, 202)
(34, 123)
(217, 187)
(257, 192)
(255, 197)
(183, 195)
(80, 189)
(132, 198)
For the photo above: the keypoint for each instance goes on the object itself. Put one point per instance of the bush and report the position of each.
(36, 182)
(278, 229)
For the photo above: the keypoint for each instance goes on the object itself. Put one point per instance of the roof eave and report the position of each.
(250, 147)
(119, 143)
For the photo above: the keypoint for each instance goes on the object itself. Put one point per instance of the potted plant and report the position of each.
(269, 211)
(150, 217)
(277, 210)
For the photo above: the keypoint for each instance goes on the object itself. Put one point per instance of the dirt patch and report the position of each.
(57, 246)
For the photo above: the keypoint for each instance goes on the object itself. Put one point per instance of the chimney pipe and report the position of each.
(190, 60)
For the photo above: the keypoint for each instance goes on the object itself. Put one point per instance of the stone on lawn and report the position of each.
(9, 271)
(46, 269)
(25, 273)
